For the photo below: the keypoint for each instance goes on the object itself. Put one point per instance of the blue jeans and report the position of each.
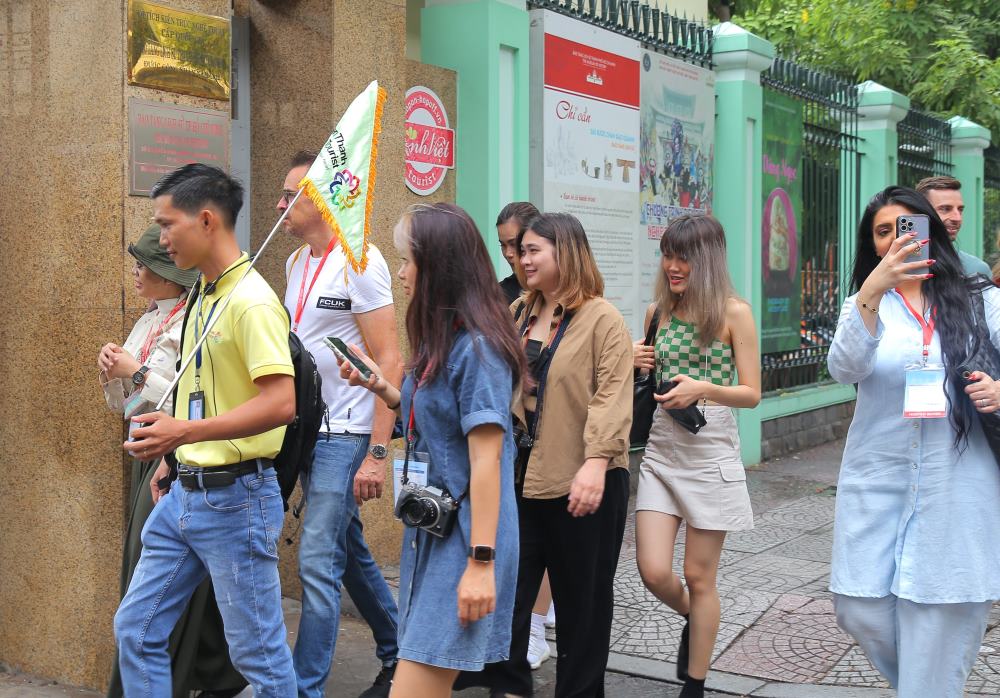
(333, 551)
(230, 533)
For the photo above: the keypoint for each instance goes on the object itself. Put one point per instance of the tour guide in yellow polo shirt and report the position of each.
(223, 515)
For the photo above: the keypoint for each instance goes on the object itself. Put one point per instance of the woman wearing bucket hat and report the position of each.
(134, 377)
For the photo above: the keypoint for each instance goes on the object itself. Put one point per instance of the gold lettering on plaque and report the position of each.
(178, 51)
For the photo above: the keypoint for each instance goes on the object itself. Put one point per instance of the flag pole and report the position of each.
(225, 302)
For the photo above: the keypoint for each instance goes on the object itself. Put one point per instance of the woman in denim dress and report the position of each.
(456, 592)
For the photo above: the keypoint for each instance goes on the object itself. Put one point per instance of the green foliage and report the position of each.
(943, 54)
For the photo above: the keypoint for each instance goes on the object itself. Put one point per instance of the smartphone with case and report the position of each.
(339, 347)
(920, 225)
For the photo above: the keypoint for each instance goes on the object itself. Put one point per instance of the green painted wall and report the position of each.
(468, 37)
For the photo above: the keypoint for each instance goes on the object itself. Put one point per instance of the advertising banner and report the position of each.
(676, 153)
(781, 219)
(590, 143)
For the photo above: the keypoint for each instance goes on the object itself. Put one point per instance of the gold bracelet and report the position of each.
(868, 307)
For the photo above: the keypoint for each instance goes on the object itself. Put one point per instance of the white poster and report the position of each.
(585, 143)
(677, 153)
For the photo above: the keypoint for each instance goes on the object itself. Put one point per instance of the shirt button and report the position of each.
(913, 446)
(413, 545)
(916, 425)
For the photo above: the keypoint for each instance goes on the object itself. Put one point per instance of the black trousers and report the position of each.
(581, 555)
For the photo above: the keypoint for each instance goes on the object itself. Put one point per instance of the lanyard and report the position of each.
(926, 325)
(303, 293)
(411, 436)
(154, 334)
(197, 337)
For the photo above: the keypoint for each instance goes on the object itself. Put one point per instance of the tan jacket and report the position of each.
(587, 410)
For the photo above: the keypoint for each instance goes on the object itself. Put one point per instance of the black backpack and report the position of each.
(296, 451)
(297, 447)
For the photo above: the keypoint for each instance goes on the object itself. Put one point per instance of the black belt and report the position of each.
(195, 478)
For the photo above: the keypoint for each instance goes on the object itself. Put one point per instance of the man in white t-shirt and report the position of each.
(325, 297)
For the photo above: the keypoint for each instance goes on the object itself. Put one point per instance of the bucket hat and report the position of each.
(152, 256)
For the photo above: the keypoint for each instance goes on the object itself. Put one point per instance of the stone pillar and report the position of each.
(67, 286)
(486, 43)
(740, 57)
(879, 110)
(968, 141)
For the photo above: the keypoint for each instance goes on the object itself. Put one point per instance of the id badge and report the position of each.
(924, 397)
(134, 404)
(196, 405)
(416, 471)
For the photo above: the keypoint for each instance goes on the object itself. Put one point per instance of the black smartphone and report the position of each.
(338, 346)
(920, 225)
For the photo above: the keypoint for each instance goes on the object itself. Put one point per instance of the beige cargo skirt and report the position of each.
(697, 477)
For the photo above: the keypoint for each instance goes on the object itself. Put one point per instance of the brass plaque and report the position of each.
(162, 137)
(178, 51)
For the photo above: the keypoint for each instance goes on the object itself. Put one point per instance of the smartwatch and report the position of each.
(379, 451)
(139, 376)
(482, 553)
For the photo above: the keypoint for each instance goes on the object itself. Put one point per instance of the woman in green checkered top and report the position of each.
(706, 343)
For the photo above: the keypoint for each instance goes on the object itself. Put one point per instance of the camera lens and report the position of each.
(419, 511)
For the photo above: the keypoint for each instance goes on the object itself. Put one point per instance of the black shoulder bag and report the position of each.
(643, 387)
(983, 357)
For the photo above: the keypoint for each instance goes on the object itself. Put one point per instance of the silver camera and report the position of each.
(426, 507)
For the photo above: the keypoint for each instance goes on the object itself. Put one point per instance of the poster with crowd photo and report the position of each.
(676, 152)
(781, 220)
(585, 161)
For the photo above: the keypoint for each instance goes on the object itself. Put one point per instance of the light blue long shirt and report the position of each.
(915, 517)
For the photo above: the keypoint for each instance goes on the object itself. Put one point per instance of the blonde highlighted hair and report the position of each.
(579, 278)
(701, 242)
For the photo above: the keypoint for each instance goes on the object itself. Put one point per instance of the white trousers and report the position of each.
(922, 649)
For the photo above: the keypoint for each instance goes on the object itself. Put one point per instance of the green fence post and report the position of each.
(739, 58)
(968, 141)
(486, 43)
(879, 110)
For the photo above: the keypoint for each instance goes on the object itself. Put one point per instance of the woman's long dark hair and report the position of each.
(456, 287)
(948, 293)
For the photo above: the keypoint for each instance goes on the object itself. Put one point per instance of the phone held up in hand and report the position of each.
(920, 225)
(339, 348)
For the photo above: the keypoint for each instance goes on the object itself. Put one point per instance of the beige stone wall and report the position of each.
(296, 102)
(65, 219)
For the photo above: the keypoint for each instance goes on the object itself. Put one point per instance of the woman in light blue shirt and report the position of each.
(916, 561)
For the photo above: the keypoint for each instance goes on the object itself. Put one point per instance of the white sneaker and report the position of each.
(550, 617)
(538, 648)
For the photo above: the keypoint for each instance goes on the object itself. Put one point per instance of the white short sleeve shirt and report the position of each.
(328, 309)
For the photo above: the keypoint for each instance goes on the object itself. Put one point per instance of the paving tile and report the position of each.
(761, 538)
(805, 514)
(770, 573)
(815, 547)
(985, 676)
(656, 635)
(854, 669)
(796, 640)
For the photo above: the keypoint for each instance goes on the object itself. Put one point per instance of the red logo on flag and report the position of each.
(430, 143)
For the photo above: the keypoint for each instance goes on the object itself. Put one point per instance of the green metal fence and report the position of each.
(830, 196)
(924, 147)
(658, 30)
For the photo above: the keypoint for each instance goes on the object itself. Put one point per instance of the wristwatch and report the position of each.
(140, 376)
(379, 451)
(482, 553)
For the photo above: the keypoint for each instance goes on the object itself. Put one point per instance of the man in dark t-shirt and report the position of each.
(512, 221)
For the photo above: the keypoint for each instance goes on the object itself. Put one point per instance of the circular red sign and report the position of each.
(430, 142)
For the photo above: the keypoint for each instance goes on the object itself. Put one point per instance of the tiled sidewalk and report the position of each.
(777, 615)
